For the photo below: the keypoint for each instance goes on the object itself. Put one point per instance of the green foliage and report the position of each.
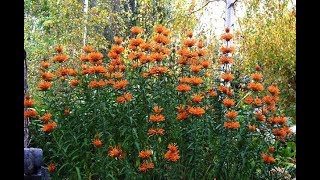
(207, 149)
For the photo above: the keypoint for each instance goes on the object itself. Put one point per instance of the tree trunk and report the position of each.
(230, 15)
(85, 10)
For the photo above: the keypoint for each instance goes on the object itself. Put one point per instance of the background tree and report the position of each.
(268, 37)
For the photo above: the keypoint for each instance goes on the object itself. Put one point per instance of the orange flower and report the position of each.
(197, 111)
(45, 85)
(115, 151)
(144, 59)
(160, 29)
(144, 167)
(273, 89)
(135, 42)
(52, 167)
(255, 86)
(268, 158)
(196, 98)
(173, 153)
(226, 50)
(49, 127)
(258, 68)
(201, 52)
(99, 69)
(271, 149)
(113, 55)
(45, 64)
(117, 40)
(66, 112)
(72, 72)
(121, 99)
(229, 92)
(159, 38)
(46, 117)
(205, 63)
(157, 131)
(257, 101)
(252, 127)
(74, 82)
(228, 102)
(227, 36)
(157, 118)
(59, 49)
(88, 49)
(227, 77)
(281, 132)
(182, 115)
(189, 42)
(117, 49)
(195, 68)
(97, 142)
(62, 72)
(29, 113)
(128, 96)
(120, 84)
(136, 30)
(212, 93)
(183, 79)
(60, 58)
(156, 57)
(95, 56)
(223, 89)
(133, 56)
(226, 60)
(231, 125)
(152, 132)
(260, 116)
(158, 70)
(232, 114)
(46, 76)
(173, 147)
(278, 119)
(28, 103)
(256, 76)
(160, 131)
(268, 99)
(122, 67)
(157, 109)
(145, 46)
(248, 100)
(145, 154)
(101, 83)
(93, 84)
(115, 62)
(195, 80)
(183, 88)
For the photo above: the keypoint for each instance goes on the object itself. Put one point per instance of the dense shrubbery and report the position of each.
(152, 109)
